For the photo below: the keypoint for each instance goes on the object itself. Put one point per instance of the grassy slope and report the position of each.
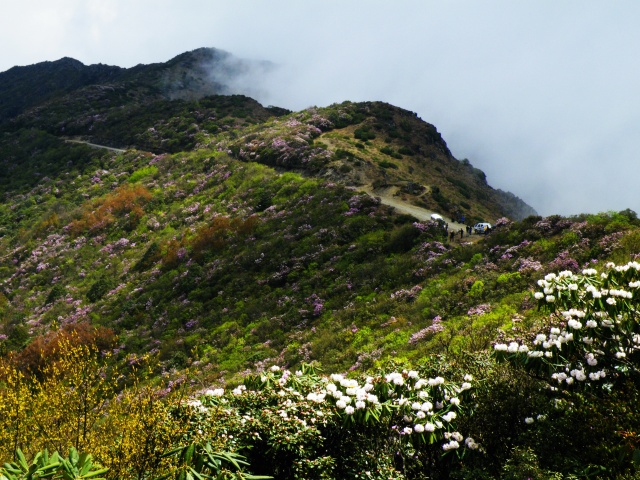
(202, 257)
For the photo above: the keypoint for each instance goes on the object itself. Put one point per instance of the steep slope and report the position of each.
(174, 106)
(378, 147)
(189, 76)
(236, 239)
(22, 88)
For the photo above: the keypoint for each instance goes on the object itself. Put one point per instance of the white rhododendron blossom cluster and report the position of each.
(595, 330)
(420, 409)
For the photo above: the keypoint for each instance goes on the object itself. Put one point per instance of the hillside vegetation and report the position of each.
(202, 303)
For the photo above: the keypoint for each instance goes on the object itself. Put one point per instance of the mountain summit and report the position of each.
(171, 107)
(191, 75)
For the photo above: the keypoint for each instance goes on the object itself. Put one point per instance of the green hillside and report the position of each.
(250, 249)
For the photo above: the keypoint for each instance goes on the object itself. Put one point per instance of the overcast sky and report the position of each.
(542, 95)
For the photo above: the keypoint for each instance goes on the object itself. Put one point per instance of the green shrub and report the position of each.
(142, 173)
(99, 289)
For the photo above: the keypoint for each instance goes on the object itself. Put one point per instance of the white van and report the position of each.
(481, 227)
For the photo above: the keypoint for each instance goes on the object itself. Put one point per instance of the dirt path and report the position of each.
(94, 145)
(387, 197)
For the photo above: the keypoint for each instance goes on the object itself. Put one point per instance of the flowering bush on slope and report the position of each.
(594, 336)
(307, 422)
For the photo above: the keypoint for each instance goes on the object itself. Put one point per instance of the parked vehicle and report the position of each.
(482, 227)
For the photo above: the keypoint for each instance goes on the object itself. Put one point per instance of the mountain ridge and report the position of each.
(154, 106)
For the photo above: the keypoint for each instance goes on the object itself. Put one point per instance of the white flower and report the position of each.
(420, 414)
(407, 430)
(452, 445)
(418, 428)
(415, 406)
(449, 416)
(197, 404)
(217, 392)
(620, 354)
(611, 301)
(395, 378)
(465, 386)
(574, 324)
(275, 368)
(426, 407)
(238, 390)
(429, 427)
(331, 387)
(538, 295)
(360, 405)
(349, 410)
(529, 420)
(341, 404)
(592, 323)
(455, 401)
(468, 378)
(500, 347)
(513, 347)
(372, 398)
(550, 298)
(471, 444)
(412, 374)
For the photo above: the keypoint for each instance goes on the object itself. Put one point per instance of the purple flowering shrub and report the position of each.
(285, 143)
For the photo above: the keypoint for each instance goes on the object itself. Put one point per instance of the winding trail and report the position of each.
(94, 145)
(387, 197)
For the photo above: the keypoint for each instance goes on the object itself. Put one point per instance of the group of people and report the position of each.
(452, 233)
